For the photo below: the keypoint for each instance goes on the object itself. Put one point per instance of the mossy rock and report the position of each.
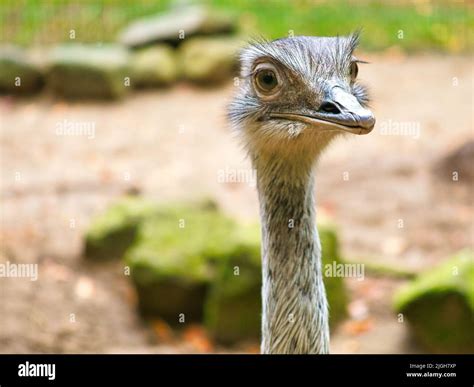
(233, 308)
(169, 26)
(175, 257)
(335, 289)
(89, 71)
(18, 73)
(208, 61)
(113, 231)
(154, 66)
(439, 306)
(194, 261)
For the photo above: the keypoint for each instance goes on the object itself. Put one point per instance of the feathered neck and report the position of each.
(294, 316)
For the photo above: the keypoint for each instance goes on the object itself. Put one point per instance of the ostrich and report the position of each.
(296, 95)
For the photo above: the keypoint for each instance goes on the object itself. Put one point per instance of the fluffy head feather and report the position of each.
(308, 69)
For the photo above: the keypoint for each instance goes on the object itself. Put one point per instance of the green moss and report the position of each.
(112, 232)
(88, 71)
(154, 66)
(335, 289)
(15, 66)
(175, 257)
(233, 307)
(209, 60)
(181, 241)
(439, 305)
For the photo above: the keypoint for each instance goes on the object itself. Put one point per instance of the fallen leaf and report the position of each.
(162, 330)
(198, 338)
(357, 327)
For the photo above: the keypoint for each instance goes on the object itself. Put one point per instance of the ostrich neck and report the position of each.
(294, 316)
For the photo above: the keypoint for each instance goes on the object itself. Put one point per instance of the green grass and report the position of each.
(437, 26)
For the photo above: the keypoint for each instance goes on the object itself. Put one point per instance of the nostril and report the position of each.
(329, 107)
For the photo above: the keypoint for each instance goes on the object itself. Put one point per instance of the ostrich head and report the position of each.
(298, 93)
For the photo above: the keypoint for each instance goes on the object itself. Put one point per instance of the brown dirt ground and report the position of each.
(170, 144)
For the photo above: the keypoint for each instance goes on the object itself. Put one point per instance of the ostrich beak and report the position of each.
(343, 109)
(339, 111)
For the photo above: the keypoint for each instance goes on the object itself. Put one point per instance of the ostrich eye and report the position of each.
(354, 70)
(266, 80)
